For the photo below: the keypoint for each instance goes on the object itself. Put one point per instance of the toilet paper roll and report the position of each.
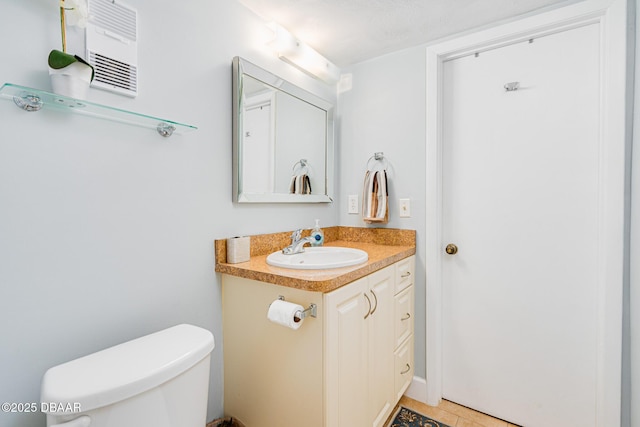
(284, 313)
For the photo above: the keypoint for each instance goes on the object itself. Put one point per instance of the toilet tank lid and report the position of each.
(125, 370)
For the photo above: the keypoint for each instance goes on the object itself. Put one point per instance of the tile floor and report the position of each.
(452, 414)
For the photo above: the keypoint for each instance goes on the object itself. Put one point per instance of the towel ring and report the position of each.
(378, 158)
(301, 167)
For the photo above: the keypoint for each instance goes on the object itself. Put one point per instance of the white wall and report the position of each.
(106, 230)
(385, 111)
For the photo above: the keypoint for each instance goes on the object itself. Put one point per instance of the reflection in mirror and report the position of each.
(282, 139)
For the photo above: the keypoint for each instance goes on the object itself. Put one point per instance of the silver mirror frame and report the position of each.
(242, 67)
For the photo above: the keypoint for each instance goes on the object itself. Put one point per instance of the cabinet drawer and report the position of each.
(403, 368)
(403, 314)
(405, 270)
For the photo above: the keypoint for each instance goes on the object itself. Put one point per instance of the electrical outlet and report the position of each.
(353, 204)
(405, 208)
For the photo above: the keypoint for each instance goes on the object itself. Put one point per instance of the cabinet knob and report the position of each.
(407, 317)
(406, 370)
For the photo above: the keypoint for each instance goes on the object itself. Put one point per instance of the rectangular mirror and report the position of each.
(282, 140)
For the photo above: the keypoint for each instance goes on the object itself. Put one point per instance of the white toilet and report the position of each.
(158, 380)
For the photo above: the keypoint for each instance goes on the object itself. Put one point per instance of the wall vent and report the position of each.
(114, 74)
(112, 46)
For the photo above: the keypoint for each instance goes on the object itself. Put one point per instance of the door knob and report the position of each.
(451, 249)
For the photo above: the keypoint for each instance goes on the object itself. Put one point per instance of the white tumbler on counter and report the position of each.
(238, 249)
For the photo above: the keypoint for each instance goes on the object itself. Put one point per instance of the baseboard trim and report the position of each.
(417, 390)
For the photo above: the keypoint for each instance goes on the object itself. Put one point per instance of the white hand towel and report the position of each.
(299, 183)
(382, 195)
(375, 204)
(368, 194)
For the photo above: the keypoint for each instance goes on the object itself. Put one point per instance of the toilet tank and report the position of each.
(158, 380)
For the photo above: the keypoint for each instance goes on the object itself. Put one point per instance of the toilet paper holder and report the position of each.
(312, 310)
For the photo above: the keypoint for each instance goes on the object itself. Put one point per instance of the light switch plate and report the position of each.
(353, 204)
(405, 208)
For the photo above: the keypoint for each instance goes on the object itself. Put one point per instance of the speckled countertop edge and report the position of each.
(385, 246)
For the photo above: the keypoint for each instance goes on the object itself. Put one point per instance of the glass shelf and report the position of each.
(30, 99)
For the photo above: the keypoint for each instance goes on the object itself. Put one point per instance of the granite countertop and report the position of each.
(384, 246)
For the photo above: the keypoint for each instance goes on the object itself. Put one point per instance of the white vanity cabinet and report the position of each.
(348, 367)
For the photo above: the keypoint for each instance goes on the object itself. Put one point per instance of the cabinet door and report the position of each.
(346, 362)
(381, 345)
(403, 368)
(403, 315)
(405, 270)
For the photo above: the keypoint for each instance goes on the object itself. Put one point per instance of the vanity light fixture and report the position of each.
(302, 56)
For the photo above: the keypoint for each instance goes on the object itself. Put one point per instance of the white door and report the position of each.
(520, 201)
(258, 149)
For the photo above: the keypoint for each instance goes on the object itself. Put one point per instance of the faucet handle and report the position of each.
(295, 236)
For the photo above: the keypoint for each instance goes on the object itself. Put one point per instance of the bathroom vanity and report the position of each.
(348, 366)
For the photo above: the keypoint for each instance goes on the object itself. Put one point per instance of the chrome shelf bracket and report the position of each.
(28, 102)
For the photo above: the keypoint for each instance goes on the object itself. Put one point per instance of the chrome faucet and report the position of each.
(297, 243)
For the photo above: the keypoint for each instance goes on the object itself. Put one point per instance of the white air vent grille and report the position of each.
(112, 46)
(114, 74)
(114, 17)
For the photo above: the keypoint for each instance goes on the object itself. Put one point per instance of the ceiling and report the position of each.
(351, 31)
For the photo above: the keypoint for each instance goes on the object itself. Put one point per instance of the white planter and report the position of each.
(72, 81)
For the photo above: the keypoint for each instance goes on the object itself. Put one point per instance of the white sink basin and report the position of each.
(320, 258)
